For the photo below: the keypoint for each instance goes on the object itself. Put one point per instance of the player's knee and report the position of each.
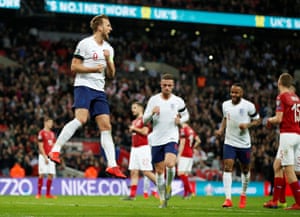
(228, 170)
(104, 125)
(82, 120)
(245, 172)
(170, 163)
(228, 167)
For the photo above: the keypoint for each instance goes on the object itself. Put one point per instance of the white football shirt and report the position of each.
(243, 112)
(164, 129)
(92, 55)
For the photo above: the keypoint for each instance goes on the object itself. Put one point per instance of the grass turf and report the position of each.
(207, 206)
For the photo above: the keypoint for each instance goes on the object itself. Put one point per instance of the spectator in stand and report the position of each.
(46, 139)
(17, 171)
(93, 60)
(6, 161)
(239, 115)
(91, 172)
(188, 141)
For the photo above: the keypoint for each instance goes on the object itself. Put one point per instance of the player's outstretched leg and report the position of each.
(67, 132)
(55, 157)
(115, 172)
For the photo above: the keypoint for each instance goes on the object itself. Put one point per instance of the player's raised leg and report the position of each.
(65, 135)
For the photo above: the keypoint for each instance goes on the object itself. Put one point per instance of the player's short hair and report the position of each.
(167, 76)
(47, 118)
(138, 103)
(237, 84)
(96, 21)
(286, 80)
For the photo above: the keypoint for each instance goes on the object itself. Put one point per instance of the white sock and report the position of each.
(245, 182)
(146, 184)
(161, 186)
(170, 175)
(109, 148)
(66, 134)
(227, 182)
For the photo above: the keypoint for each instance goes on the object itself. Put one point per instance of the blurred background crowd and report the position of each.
(39, 81)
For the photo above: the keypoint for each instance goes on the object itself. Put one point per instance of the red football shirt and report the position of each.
(48, 138)
(289, 104)
(138, 139)
(189, 134)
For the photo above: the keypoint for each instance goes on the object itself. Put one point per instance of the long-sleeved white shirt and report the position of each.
(164, 129)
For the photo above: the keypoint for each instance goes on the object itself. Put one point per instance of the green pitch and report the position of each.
(65, 206)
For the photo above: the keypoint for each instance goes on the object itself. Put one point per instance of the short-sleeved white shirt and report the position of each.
(164, 129)
(92, 55)
(243, 112)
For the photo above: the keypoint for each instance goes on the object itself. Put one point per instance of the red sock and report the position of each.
(40, 185)
(278, 184)
(186, 184)
(296, 191)
(49, 183)
(133, 189)
(282, 195)
(184, 189)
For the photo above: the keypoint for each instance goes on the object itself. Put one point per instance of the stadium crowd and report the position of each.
(41, 85)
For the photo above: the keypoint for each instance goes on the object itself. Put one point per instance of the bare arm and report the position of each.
(181, 146)
(110, 69)
(197, 141)
(42, 151)
(276, 119)
(78, 67)
(253, 123)
(220, 131)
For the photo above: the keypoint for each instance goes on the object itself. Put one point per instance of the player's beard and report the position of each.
(236, 100)
(166, 94)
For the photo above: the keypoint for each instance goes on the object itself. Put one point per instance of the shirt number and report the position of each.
(296, 110)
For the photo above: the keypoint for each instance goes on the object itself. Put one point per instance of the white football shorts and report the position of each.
(140, 158)
(289, 150)
(185, 164)
(46, 168)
